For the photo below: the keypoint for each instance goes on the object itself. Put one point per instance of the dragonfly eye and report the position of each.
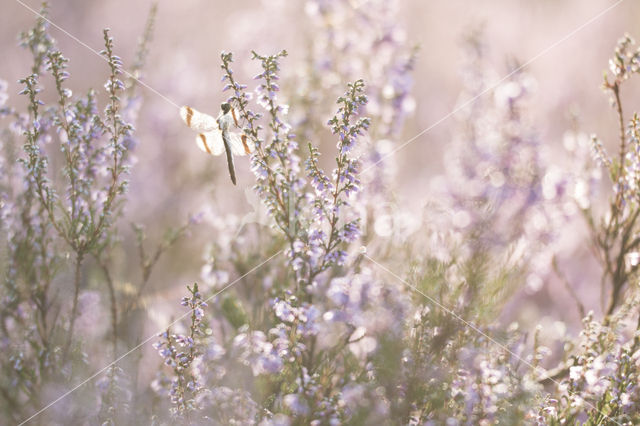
(225, 107)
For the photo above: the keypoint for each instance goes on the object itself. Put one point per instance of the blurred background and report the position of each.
(172, 179)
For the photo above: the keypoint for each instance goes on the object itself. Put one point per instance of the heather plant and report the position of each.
(615, 236)
(60, 223)
(600, 369)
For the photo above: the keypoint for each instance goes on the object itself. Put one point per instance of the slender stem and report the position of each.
(114, 306)
(623, 139)
(569, 288)
(74, 308)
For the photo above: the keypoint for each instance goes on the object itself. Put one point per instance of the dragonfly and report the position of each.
(216, 135)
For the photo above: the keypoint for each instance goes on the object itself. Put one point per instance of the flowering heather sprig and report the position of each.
(600, 154)
(332, 195)
(623, 65)
(602, 379)
(269, 173)
(309, 223)
(88, 214)
(180, 351)
(626, 60)
(116, 395)
(281, 188)
(117, 127)
(240, 98)
(629, 184)
(615, 241)
(31, 262)
(38, 41)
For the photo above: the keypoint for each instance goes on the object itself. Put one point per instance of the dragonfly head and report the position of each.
(225, 107)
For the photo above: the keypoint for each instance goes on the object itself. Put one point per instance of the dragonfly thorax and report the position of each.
(225, 121)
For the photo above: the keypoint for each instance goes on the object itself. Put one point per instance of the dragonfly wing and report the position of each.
(211, 142)
(198, 121)
(248, 144)
(240, 144)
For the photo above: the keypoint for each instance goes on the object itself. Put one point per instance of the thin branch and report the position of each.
(569, 288)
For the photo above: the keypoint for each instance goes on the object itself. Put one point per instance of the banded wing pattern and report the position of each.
(211, 142)
(240, 144)
(198, 121)
(215, 136)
